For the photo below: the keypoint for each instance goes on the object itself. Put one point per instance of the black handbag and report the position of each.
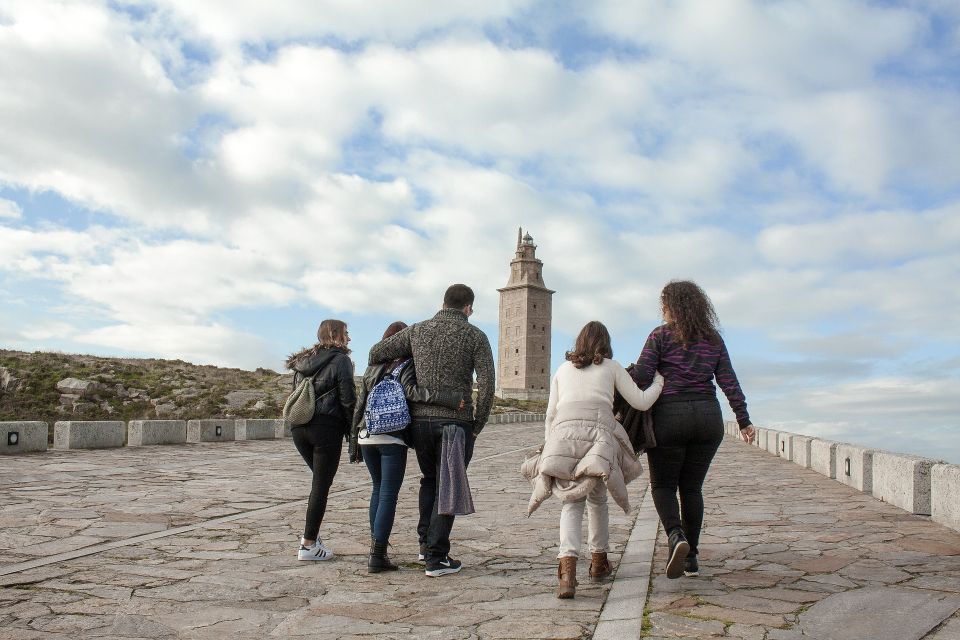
(637, 424)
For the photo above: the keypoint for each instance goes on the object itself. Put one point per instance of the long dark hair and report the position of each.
(332, 334)
(592, 345)
(692, 316)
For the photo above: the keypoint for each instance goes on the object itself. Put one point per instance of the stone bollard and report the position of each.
(785, 445)
(283, 429)
(823, 457)
(211, 430)
(97, 434)
(801, 451)
(259, 429)
(772, 443)
(902, 480)
(22, 437)
(146, 432)
(945, 495)
(855, 467)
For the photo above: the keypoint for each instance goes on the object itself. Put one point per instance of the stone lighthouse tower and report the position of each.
(526, 310)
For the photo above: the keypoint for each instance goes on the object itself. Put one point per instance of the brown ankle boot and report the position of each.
(599, 566)
(567, 578)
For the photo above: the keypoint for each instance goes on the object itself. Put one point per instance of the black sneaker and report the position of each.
(679, 548)
(690, 566)
(436, 568)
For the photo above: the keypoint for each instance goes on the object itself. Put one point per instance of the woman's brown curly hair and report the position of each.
(592, 345)
(692, 316)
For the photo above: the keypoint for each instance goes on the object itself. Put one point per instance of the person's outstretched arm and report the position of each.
(415, 393)
(396, 346)
(637, 398)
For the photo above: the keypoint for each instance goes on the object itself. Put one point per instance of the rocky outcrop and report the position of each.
(8, 382)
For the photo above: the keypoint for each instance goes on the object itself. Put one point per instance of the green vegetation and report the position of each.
(143, 389)
(132, 389)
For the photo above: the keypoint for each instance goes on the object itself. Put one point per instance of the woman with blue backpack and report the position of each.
(378, 439)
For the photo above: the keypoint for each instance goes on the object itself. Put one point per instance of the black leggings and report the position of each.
(320, 447)
(688, 435)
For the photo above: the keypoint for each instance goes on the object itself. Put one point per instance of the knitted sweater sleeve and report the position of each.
(727, 381)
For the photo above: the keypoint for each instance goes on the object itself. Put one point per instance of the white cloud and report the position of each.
(197, 343)
(10, 209)
(876, 238)
(253, 21)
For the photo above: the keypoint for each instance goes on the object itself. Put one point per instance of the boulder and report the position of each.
(7, 381)
(73, 386)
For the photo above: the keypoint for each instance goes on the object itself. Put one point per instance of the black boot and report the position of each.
(378, 560)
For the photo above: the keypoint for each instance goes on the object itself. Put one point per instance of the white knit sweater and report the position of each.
(596, 383)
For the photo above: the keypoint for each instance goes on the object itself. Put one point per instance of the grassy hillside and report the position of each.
(132, 389)
(136, 389)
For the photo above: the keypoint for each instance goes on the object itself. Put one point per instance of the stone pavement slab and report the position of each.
(787, 554)
(199, 541)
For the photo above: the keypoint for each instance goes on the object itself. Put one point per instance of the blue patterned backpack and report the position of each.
(387, 409)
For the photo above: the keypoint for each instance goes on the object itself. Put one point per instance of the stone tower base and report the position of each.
(524, 394)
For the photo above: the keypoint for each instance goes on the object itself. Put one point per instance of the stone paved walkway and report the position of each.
(789, 554)
(199, 541)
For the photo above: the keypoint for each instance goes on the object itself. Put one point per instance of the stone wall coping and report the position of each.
(915, 483)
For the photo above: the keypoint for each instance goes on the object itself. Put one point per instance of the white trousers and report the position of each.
(598, 524)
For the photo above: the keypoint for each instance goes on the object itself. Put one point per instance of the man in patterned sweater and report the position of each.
(446, 351)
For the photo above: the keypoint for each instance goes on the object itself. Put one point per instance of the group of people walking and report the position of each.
(586, 456)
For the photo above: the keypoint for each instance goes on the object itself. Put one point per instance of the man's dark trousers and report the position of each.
(426, 435)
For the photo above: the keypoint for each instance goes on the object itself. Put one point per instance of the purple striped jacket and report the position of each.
(690, 369)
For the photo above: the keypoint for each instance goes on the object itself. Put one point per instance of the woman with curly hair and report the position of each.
(688, 350)
(586, 452)
(320, 441)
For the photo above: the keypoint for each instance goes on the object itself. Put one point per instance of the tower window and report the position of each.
(516, 350)
(534, 306)
(541, 370)
(534, 326)
(515, 372)
(542, 348)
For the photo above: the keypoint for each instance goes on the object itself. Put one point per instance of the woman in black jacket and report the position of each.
(320, 441)
(386, 454)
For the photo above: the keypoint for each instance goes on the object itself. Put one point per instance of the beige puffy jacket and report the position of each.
(586, 445)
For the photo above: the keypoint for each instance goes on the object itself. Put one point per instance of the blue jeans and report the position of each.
(386, 464)
(434, 529)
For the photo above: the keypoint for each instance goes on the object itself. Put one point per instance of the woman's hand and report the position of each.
(748, 433)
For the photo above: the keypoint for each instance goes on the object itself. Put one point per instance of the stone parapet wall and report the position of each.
(22, 437)
(146, 432)
(919, 485)
(31, 437)
(96, 434)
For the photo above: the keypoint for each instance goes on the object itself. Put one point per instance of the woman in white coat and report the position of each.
(586, 452)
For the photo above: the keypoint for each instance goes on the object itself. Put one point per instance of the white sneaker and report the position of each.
(315, 552)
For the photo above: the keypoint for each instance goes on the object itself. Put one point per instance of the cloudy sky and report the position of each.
(207, 180)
